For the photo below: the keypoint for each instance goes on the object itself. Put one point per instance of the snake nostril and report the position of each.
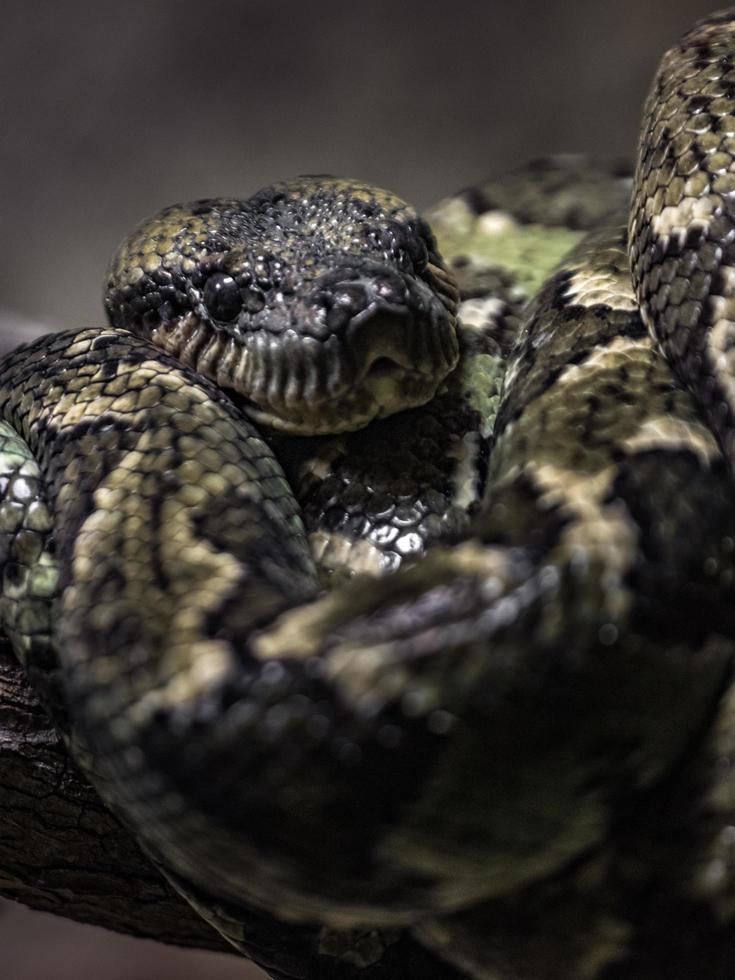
(344, 304)
(353, 297)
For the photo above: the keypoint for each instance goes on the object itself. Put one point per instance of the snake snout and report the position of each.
(395, 338)
(364, 342)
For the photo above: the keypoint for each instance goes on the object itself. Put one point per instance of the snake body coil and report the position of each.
(409, 751)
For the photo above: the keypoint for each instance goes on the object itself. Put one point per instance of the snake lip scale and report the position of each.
(483, 749)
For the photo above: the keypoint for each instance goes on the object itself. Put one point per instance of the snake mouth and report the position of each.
(361, 346)
(384, 364)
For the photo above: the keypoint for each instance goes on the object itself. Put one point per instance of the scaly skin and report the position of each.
(464, 745)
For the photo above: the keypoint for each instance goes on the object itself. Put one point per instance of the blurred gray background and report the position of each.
(111, 110)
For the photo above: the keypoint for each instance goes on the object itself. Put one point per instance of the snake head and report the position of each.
(323, 303)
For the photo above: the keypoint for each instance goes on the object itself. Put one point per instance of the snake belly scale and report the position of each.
(407, 750)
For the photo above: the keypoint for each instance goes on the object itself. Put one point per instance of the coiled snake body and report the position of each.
(437, 749)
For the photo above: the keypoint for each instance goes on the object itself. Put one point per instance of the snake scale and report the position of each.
(455, 760)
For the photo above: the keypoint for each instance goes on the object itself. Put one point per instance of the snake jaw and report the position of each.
(385, 363)
(385, 342)
(301, 386)
(365, 343)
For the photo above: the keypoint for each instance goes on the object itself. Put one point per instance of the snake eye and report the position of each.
(222, 297)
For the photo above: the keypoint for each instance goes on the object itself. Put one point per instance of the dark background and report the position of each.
(108, 111)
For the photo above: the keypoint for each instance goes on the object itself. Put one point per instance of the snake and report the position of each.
(418, 722)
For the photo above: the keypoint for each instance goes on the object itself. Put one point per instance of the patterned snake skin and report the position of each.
(459, 760)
